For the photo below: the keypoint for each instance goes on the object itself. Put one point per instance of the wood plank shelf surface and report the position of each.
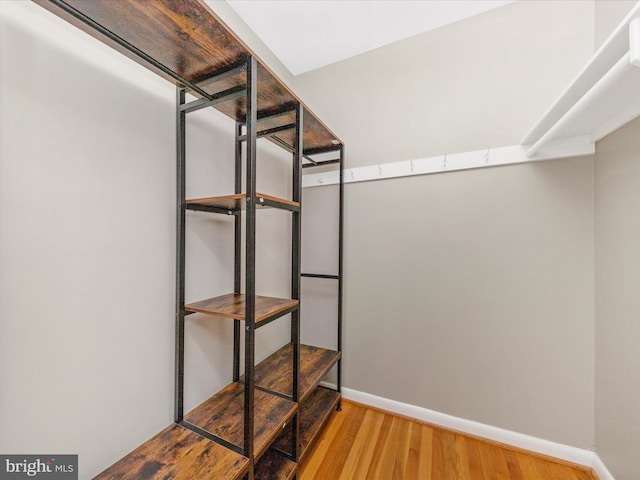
(275, 372)
(185, 41)
(179, 454)
(222, 415)
(313, 415)
(239, 201)
(233, 306)
(274, 466)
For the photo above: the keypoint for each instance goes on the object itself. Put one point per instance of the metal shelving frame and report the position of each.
(122, 33)
(249, 223)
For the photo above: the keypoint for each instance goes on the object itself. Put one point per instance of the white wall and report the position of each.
(87, 250)
(617, 383)
(617, 305)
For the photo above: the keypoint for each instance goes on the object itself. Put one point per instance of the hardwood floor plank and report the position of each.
(546, 469)
(444, 454)
(359, 458)
(413, 454)
(426, 453)
(403, 428)
(463, 465)
(380, 443)
(502, 471)
(513, 465)
(475, 459)
(388, 448)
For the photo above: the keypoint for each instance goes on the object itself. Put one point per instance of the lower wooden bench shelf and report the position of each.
(179, 454)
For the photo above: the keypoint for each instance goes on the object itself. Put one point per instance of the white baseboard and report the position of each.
(576, 455)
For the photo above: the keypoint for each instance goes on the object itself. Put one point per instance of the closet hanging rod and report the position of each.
(621, 67)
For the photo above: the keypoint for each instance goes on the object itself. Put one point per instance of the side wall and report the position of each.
(87, 249)
(617, 382)
(469, 293)
(617, 244)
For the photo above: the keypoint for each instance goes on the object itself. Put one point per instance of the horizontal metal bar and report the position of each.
(128, 46)
(320, 275)
(230, 94)
(269, 391)
(266, 202)
(210, 209)
(275, 316)
(274, 113)
(319, 164)
(223, 73)
(285, 455)
(211, 436)
(290, 149)
(270, 131)
(283, 144)
(316, 150)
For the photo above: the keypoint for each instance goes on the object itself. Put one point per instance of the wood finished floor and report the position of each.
(361, 443)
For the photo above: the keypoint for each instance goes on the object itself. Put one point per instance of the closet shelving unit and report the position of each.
(263, 423)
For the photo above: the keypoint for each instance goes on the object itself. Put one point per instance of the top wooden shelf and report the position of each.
(184, 41)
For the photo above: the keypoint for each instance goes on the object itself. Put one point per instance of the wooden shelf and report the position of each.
(275, 371)
(237, 202)
(313, 415)
(233, 306)
(222, 415)
(274, 466)
(179, 454)
(185, 41)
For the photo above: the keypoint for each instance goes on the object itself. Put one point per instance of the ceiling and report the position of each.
(308, 34)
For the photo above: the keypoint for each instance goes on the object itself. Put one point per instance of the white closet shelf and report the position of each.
(602, 98)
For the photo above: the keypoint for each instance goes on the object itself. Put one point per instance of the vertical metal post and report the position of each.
(180, 254)
(296, 260)
(237, 255)
(340, 270)
(250, 260)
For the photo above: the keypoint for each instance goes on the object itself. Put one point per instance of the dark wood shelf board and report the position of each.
(179, 454)
(313, 415)
(223, 416)
(233, 306)
(274, 466)
(239, 201)
(185, 41)
(275, 372)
